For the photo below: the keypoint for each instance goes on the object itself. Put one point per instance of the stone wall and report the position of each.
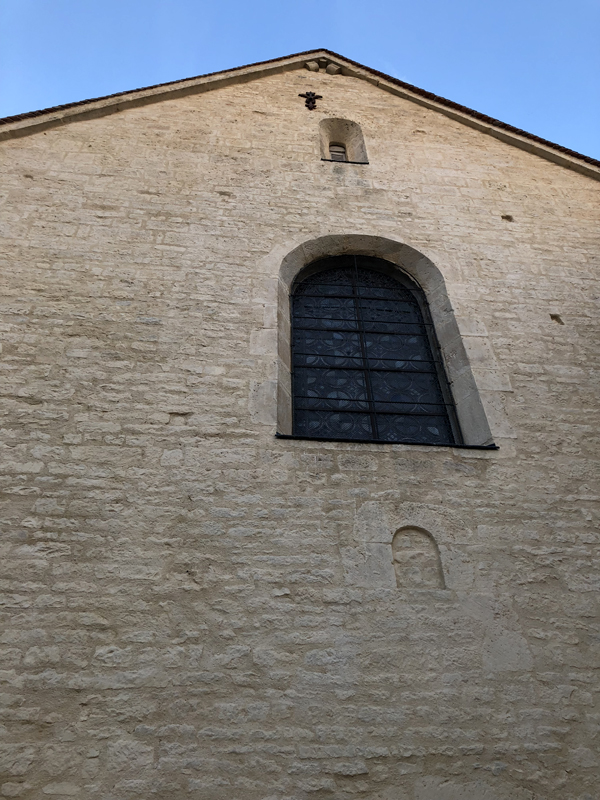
(192, 607)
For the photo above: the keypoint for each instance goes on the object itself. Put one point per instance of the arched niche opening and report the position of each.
(416, 560)
(406, 260)
(343, 134)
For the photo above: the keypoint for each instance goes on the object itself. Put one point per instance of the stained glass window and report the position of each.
(365, 361)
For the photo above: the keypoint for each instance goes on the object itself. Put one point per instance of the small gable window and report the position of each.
(342, 140)
(337, 152)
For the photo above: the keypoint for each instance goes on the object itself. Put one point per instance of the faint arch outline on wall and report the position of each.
(469, 408)
(377, 523)
(416, 559)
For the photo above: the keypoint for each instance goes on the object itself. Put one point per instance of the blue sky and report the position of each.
(532, 63)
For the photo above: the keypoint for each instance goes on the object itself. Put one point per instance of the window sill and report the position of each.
(378, 441)
(335, 161)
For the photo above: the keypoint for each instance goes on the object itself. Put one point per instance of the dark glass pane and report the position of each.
(399, 352)
(325, 313)
(390, 311)
(327, 425)
(336, 281)
(428, 430)
(332, 388)
(327, 349)
(368, 281)
(406, 387)
(363, 363)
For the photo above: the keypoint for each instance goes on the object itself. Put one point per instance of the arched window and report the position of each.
(344, 134)
(366, 365)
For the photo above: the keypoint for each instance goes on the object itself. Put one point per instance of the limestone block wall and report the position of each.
(192, 607)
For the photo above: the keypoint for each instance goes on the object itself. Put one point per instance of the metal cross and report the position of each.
(311, 100)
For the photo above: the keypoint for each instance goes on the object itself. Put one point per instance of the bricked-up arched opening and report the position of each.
(365, 361)
(403, 260)
(416, 560)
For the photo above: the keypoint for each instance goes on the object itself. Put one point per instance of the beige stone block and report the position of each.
(506, 651)
(436, 788)
(264, 342)
(63, 789)
(263, 402)
(369, 566)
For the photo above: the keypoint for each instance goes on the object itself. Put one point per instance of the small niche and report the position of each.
(345, 135)
(416, 560)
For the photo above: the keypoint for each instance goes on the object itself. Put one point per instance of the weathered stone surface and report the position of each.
(194, 608)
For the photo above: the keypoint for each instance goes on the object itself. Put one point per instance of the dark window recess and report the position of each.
(337, 152)
(366, 364)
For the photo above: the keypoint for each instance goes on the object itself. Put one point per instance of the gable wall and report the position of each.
(189, 609)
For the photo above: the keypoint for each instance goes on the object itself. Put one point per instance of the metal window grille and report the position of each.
(366, 366)
(337, 152)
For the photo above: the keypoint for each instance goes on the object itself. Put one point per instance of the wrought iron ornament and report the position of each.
(363, 359)
(311, 100)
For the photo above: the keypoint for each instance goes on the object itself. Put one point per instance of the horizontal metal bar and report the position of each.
(386, 441)
(345, 289)
(374, 358)
(363, 330)
(322, 316)
(354, 318)
(343, 296)
(368, 411)
(360, 400)
(369, 359)
(367, 369)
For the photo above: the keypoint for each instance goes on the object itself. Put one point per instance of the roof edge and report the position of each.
(35, 121)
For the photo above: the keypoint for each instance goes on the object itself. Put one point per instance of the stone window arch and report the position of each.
(366, 365)
(343, 133)
(401, 259)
